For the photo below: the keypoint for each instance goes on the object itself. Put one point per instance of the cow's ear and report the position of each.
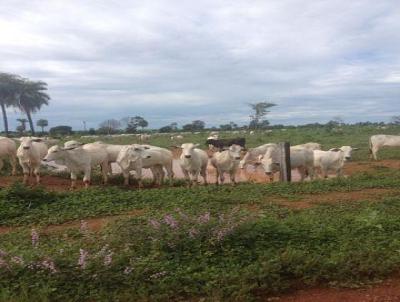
(196, 145)
(335, 149)
(18, 139)
(69, 148)
(355, 149)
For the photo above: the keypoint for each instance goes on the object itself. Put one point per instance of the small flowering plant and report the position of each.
(174, 229)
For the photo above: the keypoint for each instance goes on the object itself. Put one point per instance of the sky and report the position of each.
(179, 61)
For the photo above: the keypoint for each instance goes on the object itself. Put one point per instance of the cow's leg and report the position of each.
(232, 176)
(187, 177)
(375, 153)
(125, 173)
(221, 177)
(36, 173)
(162, 175)
(25, 170)
(311, 172)
(87, 177)
(13, 162)
(138, 176)
(217, 176)
(339, 172)
(170, 172)
(302, 173)
(104, 171)
(203, 173)
(324, 173)
(73, 180)
(195, 177)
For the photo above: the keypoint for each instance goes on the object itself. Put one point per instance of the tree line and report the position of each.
(25, 95)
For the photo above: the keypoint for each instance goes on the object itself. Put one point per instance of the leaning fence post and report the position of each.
(285, 168)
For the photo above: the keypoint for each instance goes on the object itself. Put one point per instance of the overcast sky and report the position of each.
(184, 60)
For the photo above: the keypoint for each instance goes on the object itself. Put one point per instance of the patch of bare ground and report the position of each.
(94, 224)
(310, 200)
(387, 291)
(365, 166)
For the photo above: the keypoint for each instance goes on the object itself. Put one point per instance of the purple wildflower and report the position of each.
(204, 218)
(158, 275)
(154, 223)
(170, 221)
(128, 270)
(34, 238)
(17, 260)
(82, 258)
(108, 259)
(3, 263)
(193, 232)
(49, 264)
(103, 251)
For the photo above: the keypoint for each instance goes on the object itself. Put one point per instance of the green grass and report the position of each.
(233, 255)
(24, 206)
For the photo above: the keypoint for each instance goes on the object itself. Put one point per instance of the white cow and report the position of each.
(176, 137)
(80, 158)
(8, 150)
(226, 161)
(99, 152)
(144, 137)
(193, 161)
(30, 154)
(137, 157)
(332, 160)
(300, 158)
(382, 140)
(253, 154)
(310, 146)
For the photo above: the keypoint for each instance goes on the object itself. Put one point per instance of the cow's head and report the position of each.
(131, 154)
(347, 151)
(27, 142)
(270, 162)
(187, 149)
(234, 152)
(54, 153)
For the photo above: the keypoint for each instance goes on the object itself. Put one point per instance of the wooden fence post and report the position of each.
(285, 168)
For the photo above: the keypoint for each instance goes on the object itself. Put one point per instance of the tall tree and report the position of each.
(395, 120)
(110, 126)
(42, 123)
(8, 92)
(31, 97)
(260, 111)
(22, 127)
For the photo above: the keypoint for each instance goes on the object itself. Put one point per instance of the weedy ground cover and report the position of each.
(217, 255)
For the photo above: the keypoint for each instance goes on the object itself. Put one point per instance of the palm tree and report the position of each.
(8, 91)
(32, 96)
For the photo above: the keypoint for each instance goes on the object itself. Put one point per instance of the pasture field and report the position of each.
(207, 243)
(356, 136)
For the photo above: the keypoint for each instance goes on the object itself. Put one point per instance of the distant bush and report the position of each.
(61, 130)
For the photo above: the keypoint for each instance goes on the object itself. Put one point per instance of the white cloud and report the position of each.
(165, 58)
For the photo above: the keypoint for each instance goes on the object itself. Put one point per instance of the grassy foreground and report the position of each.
(206, 242)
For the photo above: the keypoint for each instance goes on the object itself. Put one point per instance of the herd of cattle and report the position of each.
(307, 158)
